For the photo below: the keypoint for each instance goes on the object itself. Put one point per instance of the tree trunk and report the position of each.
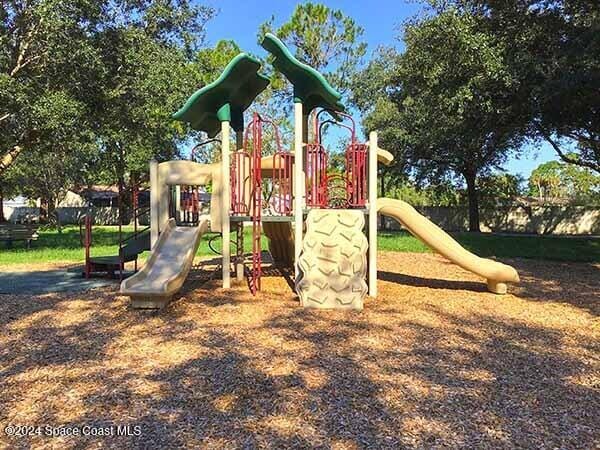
(473, 197)
(53, 213)
(2, 218)
(44, 210)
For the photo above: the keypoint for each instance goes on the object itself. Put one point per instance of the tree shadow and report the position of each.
(196, 376)
(577, 284)
(432, 283)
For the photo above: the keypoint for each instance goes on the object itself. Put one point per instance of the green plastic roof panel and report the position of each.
(310, 87)
(226, 98)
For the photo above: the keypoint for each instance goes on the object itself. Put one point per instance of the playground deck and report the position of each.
(434, 361)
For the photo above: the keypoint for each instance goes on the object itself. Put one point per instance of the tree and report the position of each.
(499, 189)
(370, 93)
(554, 54)
(48, 175)
(324, 38)
(554, 180)
(104, 61)
(142, 84)
(545, 181)
(211, 61)
(451, 111)
(9, 188)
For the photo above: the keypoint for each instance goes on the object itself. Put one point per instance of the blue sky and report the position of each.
(381, 19)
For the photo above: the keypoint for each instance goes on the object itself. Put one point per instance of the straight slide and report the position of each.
(281, 242)
(496, 273)
(167, 267)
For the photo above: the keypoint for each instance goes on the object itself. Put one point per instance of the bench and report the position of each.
(14, 232)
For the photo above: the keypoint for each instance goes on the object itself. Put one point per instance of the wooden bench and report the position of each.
(10, 233)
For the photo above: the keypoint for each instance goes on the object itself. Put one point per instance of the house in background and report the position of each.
(70, 208)
(21, 209)
(101, 196)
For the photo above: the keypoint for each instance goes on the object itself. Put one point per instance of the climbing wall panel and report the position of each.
(333, 263)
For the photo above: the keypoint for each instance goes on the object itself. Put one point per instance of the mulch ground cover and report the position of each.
(434, 361)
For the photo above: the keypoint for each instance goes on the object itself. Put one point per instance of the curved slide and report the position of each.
(496, 273)
(167, 267)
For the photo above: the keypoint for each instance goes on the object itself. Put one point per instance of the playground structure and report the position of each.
(130, 247)
(321, 223)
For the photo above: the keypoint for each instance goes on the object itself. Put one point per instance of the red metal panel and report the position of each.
(282, 186)
(316, 176)
(356, 168)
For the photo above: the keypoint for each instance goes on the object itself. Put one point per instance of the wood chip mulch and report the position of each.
(435, 361)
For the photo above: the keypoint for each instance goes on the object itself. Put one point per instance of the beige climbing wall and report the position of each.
(333, 263)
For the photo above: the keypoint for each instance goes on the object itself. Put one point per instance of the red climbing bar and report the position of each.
(256, 212)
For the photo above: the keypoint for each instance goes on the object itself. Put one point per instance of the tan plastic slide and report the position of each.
(167, 267)
(496, 273)
(281, 242)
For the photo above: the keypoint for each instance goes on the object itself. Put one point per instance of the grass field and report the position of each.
(54, 247)
(537, 247)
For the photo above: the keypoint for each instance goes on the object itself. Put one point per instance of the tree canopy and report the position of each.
(443, 100)
(104, 75)
(556, 181)
(554, 54)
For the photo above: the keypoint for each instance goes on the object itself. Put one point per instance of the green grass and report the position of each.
(485, 245)
(65, 247)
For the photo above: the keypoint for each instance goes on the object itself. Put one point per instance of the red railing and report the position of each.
(247, 186)
(282, 196)
(316, 176)
(356, 174)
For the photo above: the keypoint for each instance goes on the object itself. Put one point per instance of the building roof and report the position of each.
(99, 191)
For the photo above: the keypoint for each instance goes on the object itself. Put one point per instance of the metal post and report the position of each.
(373, 214)
(226, 202)
(298, 184)
(154, 203)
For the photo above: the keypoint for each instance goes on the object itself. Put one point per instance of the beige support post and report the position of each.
(178, 214)
(154, 202)
(298, 183)
(226, 202)
(373, 214)
(239, 263)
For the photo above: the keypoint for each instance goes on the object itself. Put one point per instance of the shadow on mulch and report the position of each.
(433, 283)
(577, 284)
(39, 282)
(225, 369)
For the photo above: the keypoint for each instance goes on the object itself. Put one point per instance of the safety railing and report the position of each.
(316, 176)
(281, 194)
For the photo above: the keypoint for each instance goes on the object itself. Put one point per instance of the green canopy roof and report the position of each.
(226, 98)
(310, 87)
